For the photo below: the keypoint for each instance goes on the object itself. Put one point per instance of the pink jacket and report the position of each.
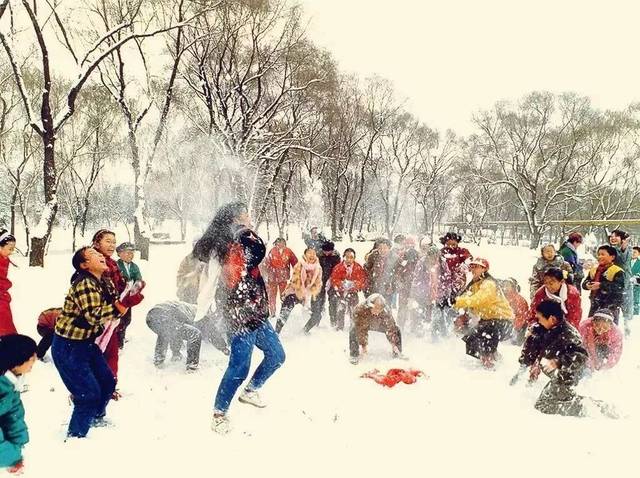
(612, 340)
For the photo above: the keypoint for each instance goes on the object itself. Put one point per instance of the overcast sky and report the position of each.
(450, 58)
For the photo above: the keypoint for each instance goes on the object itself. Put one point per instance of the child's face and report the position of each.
(126, 256)
(311, 256)
(7, 249)
(549, 253)
(601, 326)
(106, 245)
(604, 258)
(25, 367)
(635, 254)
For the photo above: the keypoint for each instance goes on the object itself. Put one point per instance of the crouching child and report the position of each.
(373, 315)
(555, 346)
(173, 322)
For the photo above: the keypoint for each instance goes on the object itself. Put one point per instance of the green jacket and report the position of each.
(134, 271)
(13, 429)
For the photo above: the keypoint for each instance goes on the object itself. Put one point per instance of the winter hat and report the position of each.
(15, 349)
(574, 237)
(450, 235)
(603, 314)
(328, 246)
(126, 246)
(479, 261)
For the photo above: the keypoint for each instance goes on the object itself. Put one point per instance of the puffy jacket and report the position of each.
(570, 255)
(572, 304)
(485, 299)
(12, 425)
(340, 275)
(562, 343)
(520, 309)
(604, 350)
(612, 285)
(47, 318)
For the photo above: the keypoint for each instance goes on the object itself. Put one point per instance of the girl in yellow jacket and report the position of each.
(484, 299)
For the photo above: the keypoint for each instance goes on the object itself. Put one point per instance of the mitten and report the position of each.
(132, 300)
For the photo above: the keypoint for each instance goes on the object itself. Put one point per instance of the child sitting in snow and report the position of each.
(602, 339)
(17, 356)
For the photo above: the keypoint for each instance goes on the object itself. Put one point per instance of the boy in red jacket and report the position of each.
(278, 265)
(347, 279)
(556, 288)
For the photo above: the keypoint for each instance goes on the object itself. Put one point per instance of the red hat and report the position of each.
(479, 261)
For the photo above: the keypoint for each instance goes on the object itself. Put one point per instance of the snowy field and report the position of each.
(321, 419)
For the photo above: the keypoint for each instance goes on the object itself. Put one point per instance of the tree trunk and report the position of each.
(45, 225)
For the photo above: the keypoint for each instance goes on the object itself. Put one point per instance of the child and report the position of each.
(7, 246)
(278, 265)
(556, 347)
(17, 356)
(89, 306)
(606, 283)
(520, 309)
(131, 274)
(549, 258)
(46, 327)
(602, 339)
(635, 279)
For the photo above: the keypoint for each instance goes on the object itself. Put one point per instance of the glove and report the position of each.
(17, 469)
(132, 300)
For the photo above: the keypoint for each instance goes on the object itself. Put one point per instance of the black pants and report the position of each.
(317, 308)
(45, 343)
(558, 398)
(342, 304)
(483, 339)
(125, 321)
(172, 333)
(393, 335)
(288, 303)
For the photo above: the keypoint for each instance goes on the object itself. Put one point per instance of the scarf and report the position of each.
(561, 298)
(306, 269)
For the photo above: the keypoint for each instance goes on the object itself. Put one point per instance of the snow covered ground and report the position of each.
(321, 419)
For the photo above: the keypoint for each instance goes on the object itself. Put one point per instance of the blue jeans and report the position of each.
(266, 339)
(85, 373)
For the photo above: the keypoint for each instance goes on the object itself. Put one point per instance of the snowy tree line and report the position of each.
(135, 111)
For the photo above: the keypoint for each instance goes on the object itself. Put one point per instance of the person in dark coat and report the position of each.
(131, 274)
(230, 247)
(569, 252)
(555, 347)
(329, 259)
(173, 322)
(619, 239)
(314, 240)
(379, 267)
(606, 283)
(17, 356)
(405, 266)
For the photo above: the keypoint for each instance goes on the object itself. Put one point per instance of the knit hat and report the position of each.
(126, 246)
(15, 349)
(603, 314)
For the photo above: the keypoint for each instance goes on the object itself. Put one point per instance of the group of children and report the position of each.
(85, 336)
(426, 287)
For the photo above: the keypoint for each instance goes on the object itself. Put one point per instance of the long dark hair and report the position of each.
(216, 239)
(6, 237)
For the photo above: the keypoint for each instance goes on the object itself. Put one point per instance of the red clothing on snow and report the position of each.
(520, 308)
(6, 318)
(394, 376)
(278, 264)
(573, 305)
(612, 340)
